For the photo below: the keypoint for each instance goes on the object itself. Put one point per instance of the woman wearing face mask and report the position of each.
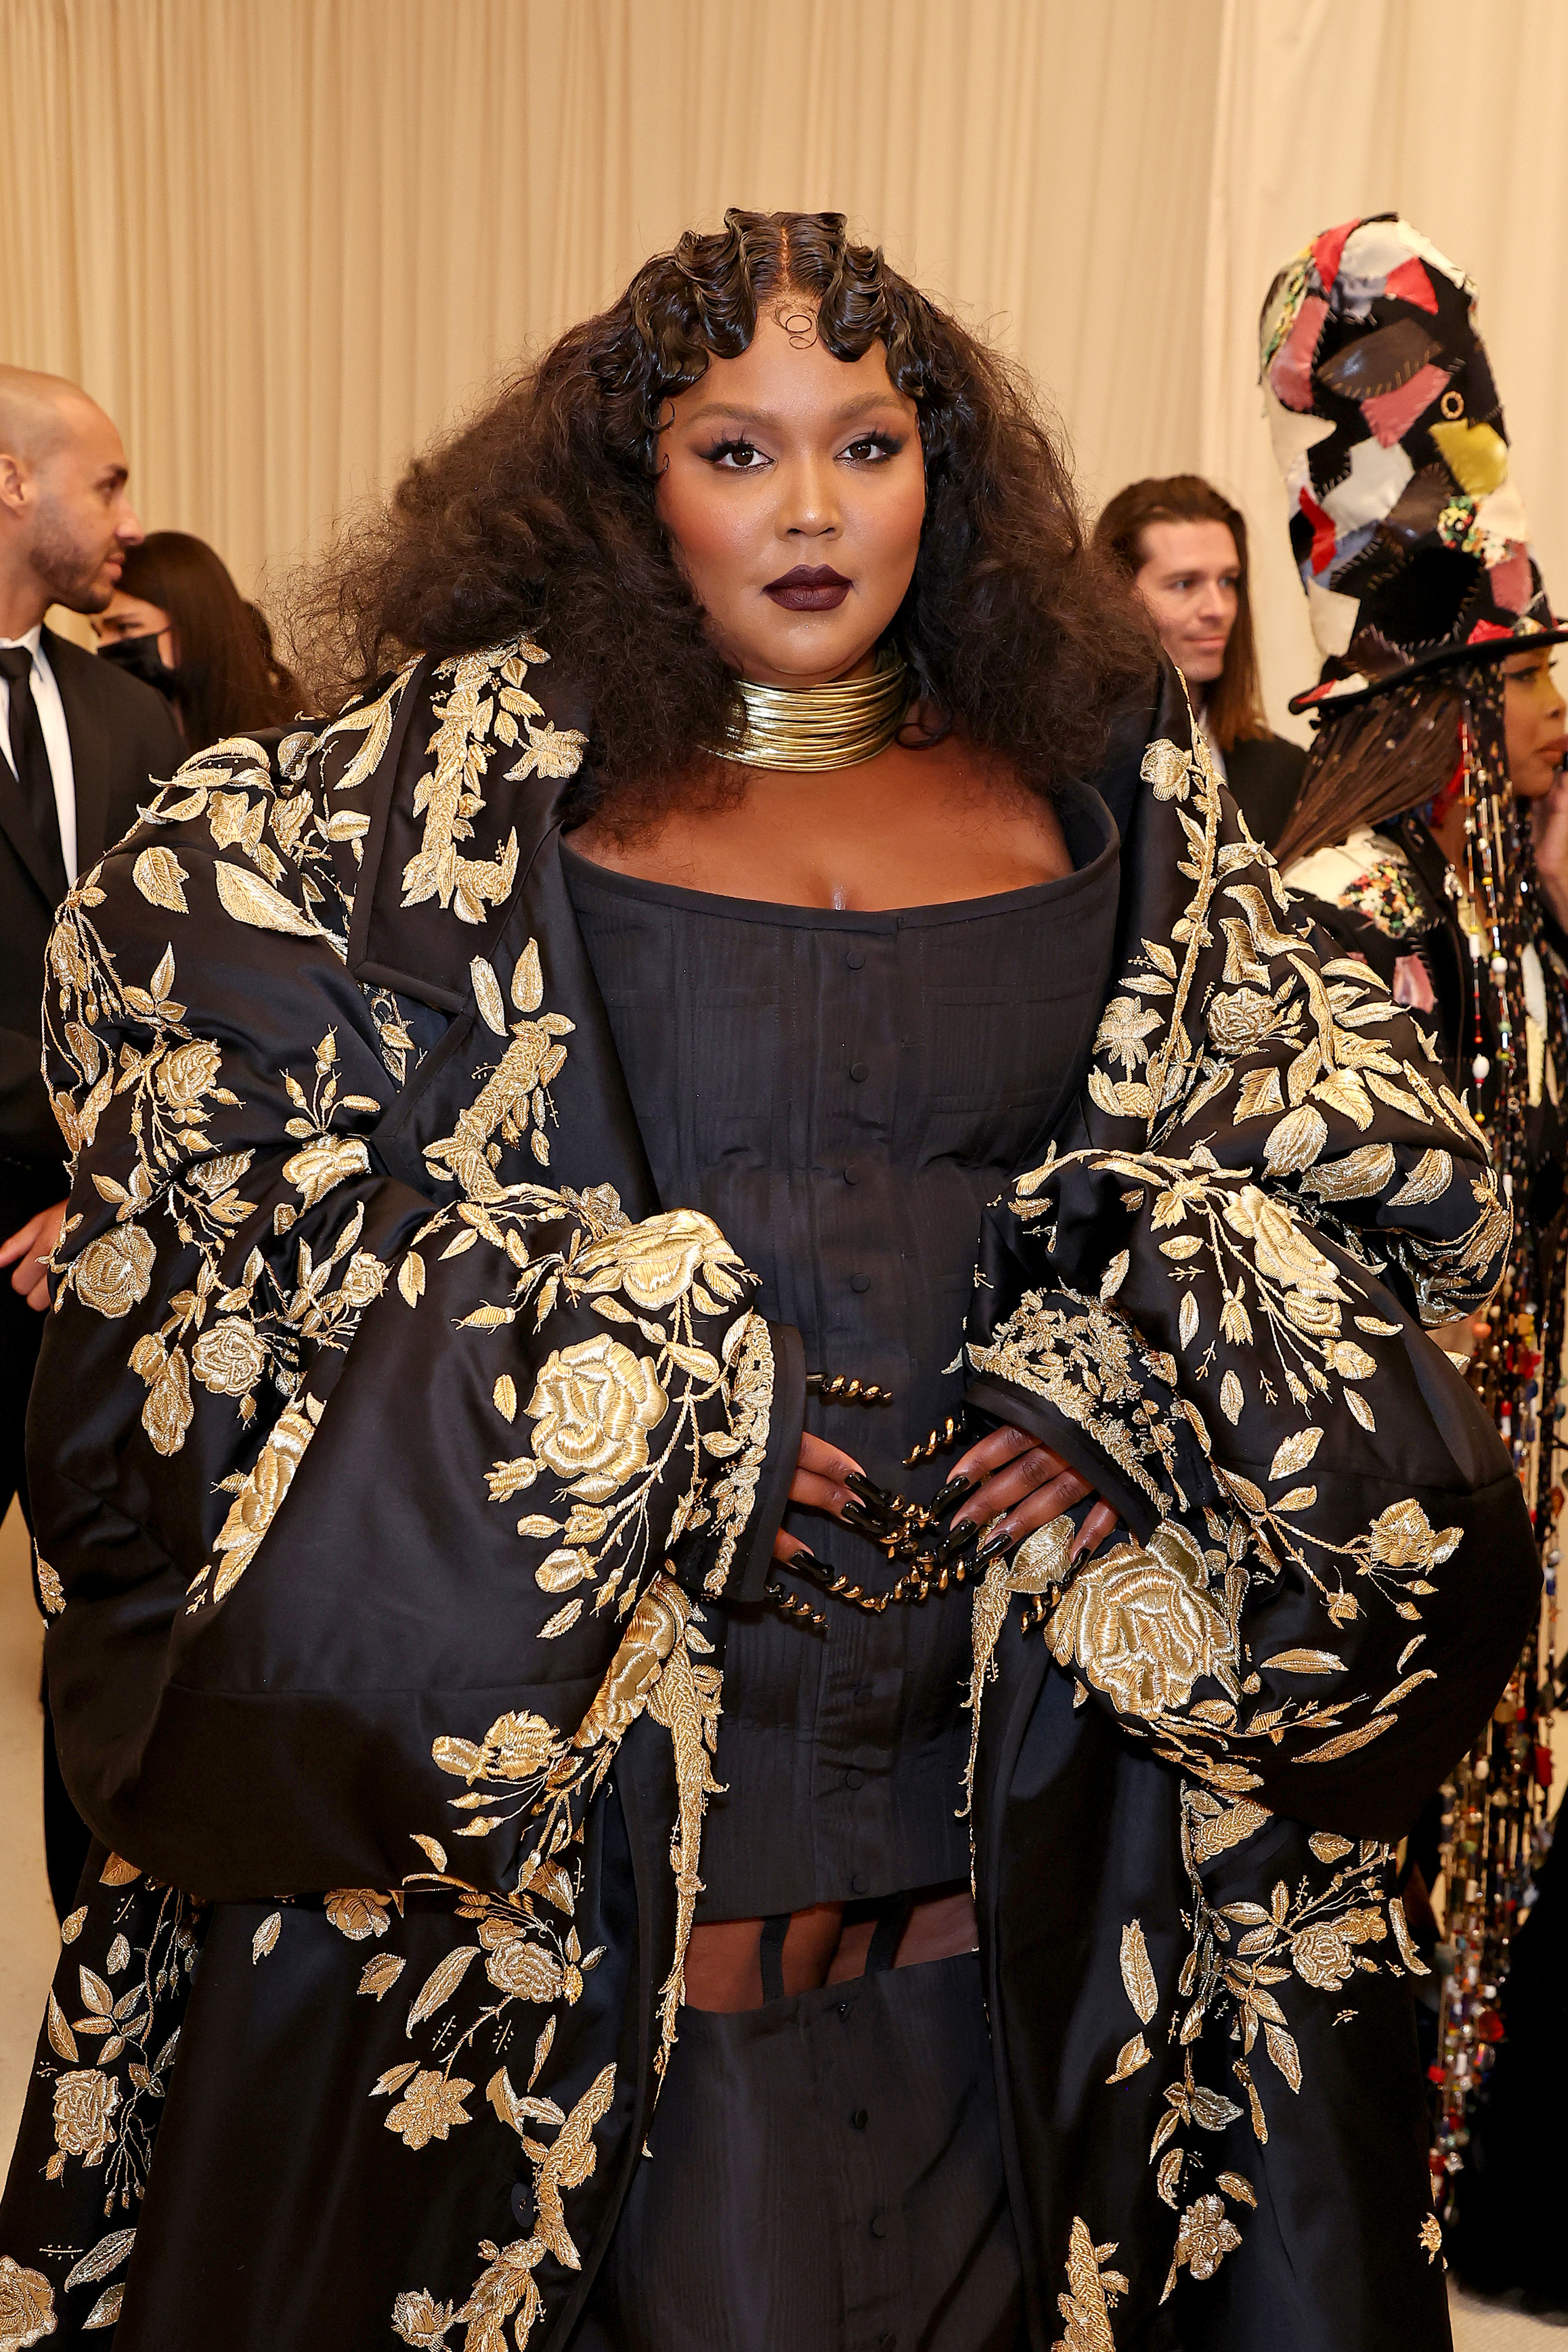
(572, 1483)
(177, 620)
(1184, 547)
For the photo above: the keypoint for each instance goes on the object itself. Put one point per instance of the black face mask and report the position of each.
(141, 656)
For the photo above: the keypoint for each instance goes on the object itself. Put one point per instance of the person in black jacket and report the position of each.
(1184, 548)
(78, 742)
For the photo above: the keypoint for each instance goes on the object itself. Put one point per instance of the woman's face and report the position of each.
(133, 616)
(1190, 580)
(1533, 709)
(793, 487)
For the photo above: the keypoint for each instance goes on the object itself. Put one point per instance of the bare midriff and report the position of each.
(723, 1960)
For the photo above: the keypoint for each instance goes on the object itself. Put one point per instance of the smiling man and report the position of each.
(78, 743)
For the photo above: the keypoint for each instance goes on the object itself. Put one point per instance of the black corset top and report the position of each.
(843, 1092)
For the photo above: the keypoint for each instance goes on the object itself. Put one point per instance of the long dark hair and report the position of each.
(539, 516)
(1233, 705)
(1396, 751)
(229, 680)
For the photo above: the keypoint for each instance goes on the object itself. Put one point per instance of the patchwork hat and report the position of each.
(1410, 536)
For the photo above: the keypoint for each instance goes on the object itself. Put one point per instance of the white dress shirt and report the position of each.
(56, 741)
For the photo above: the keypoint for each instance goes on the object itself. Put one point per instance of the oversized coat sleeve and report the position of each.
(1211, 1303)
(356, 1496)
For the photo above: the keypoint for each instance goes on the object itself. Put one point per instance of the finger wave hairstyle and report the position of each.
(539, 516)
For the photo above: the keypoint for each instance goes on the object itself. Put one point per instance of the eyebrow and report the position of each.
(842, 414)
(115, 474)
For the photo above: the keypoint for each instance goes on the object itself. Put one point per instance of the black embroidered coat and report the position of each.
(395, 1452)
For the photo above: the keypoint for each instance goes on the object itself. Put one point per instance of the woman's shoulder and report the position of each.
(1368, 874)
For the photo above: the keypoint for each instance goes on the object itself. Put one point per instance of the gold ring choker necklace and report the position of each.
(803, 729)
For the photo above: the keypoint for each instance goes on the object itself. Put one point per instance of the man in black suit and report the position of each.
(78, 742)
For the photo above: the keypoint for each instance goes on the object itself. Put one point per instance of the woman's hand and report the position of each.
(821, 1476)
(1549, 818)
(1027, 1483)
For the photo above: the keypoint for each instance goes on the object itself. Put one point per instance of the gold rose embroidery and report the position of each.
(85, 2102)
(595, 1403)
(114, 1273)
(27, 2306)
(1140, 1626)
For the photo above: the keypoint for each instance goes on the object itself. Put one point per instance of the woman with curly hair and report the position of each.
(672, 1172)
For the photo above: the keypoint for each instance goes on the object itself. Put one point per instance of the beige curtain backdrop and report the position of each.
(284, 240)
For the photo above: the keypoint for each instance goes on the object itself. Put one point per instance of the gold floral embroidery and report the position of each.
(1091, 2296)
(27, 2306)
(486, 698)
(1094, 1368)
(105, 2113)
(1140, 1626)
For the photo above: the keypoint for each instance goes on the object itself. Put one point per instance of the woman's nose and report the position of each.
(810, 504)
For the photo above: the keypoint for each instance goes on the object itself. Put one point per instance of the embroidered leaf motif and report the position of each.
(1231, 1400)
(1234, 2187)
(250, 900)
(1169, 2174)
(441, 1983)
(1347, 1741)
(1281, 2048)
(158, 875)
(434, 1848)
(487, 996)
(1188, 1323)
(1294, 1452)
(266, 1936)
(106, 2310)
(381, 1974)
(1360, 1409)
(1304, 1662)
(562, 1623)
(1137, 1974)
(1128, 2058)
(505, 1397)
(62, 2040)
(1296, 1141)
(1431, 1176)
(1115, 1274)
(527, 980)
(106, 2256)
(117, 1872)
(394, 2079)
(95, 1993)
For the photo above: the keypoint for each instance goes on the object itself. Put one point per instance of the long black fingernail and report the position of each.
(855, 1515)
(957, 1539)
(878, 1497)
(953, 1492)
(801, 1552)
(997, 1540)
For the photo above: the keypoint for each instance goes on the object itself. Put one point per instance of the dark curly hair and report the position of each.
(539, 516)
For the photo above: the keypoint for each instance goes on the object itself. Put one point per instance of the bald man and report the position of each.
(78, 742)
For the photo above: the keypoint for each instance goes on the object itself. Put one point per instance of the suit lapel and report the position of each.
(16, 822)
(92, 751)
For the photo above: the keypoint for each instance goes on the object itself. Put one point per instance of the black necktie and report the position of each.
(29, 753)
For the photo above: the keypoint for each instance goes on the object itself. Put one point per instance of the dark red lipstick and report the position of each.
(809, 590)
